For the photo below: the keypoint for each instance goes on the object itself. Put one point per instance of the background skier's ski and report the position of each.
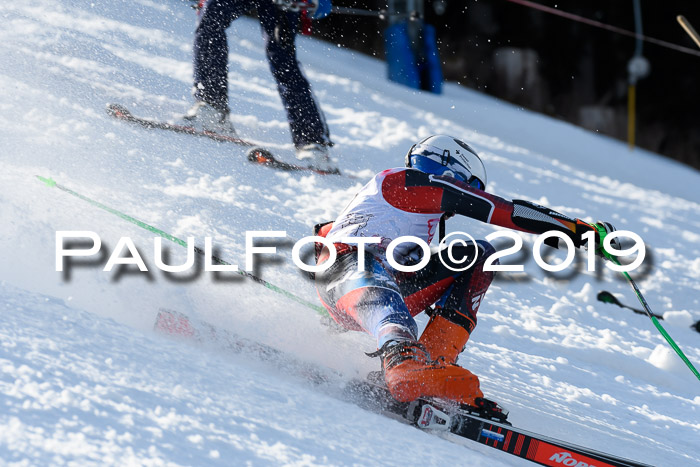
(256, 154)
(122, 113)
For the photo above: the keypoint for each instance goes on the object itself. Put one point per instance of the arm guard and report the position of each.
(539, 219)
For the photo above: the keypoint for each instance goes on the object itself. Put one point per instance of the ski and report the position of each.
(264, 157)
(489, 427)
(175, 324)
(120, 112)
(467, 423)
(256, 154)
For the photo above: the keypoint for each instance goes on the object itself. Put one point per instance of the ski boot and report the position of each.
(409, 373)
(210, 118)
(316, 156)
(444, 338)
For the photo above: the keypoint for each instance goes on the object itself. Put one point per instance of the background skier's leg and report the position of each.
(211, 50)
(306, 121)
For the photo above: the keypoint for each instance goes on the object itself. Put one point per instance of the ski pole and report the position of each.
(689, 29)
(602, 233)
(52, 184)
(381, 14)
(606, 297)
(658, 325)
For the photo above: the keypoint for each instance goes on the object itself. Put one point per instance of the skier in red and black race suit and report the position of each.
(443, 177)
(279, 20)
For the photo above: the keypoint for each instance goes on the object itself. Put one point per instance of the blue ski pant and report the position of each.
(383, 302)
(306, 121)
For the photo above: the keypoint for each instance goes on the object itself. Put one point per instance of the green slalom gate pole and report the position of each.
(52, 183)
(647, 309)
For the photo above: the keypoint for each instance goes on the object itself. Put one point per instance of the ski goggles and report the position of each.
(431, 159)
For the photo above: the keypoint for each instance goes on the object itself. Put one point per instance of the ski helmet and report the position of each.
(445, 155)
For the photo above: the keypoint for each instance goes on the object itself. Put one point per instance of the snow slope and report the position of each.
(92, 391)
(84, 380)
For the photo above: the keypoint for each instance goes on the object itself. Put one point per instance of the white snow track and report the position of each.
(83, 379)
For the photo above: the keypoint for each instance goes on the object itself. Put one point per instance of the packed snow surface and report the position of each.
(84, 380)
